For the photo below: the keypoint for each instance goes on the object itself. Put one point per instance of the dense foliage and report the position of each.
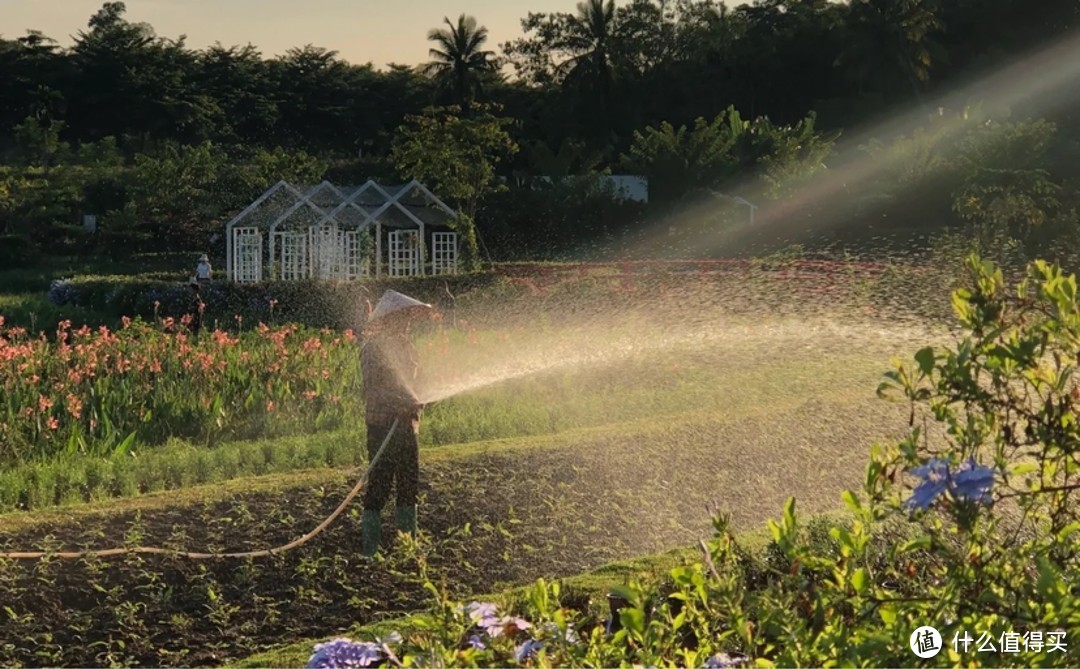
(161, 141)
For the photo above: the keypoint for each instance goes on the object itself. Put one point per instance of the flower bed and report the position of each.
(99, 391)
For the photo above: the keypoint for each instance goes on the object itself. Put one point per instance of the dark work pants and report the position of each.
(399, 464)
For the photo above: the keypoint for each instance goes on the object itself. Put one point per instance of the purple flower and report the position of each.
(476, 642)
(480, 610)
(483, 614)
(527, 650)
(520, 623)
(970, 482)
(724, 661)
(344, 653)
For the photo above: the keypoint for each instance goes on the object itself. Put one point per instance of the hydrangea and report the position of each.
(970, 482)
(345, 653)
(62, 291)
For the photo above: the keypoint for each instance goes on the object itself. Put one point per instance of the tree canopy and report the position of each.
(691, 93)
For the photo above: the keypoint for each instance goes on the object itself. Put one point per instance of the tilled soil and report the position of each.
(495, 516)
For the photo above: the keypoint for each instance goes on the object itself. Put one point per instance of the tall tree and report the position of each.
(133, 83)
(458, 156)
(891, 41)
(239, 82)
(459, 62)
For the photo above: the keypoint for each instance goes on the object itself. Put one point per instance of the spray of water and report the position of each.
(699, 330)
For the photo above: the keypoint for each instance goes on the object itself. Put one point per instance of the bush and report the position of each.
(17, 251)
(338, 305)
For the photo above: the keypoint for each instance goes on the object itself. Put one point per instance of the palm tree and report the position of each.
(459, 61)
(892, 39)
(591, 36)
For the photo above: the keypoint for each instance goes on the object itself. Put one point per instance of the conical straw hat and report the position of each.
(393, 301)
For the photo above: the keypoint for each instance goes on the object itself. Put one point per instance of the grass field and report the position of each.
(594, 436)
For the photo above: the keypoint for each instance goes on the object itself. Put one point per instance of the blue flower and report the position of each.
(344, 653)
(970, 482)
(724, 661)
(62, 291)
(934, 475)
(527, 650)
(476, 642)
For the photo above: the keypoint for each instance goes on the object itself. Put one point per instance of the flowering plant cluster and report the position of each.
(91, 390)
(489, 639)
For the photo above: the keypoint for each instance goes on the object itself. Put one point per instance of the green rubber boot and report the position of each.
(406, 519)
(371, 524)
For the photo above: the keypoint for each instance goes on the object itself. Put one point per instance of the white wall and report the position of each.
(630, 187)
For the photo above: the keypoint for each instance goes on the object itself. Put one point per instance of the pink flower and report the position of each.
(74, 406)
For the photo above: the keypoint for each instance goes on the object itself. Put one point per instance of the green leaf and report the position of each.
(925, 358)
(789, 514)
(851, 500)
(633, 620)
(1068, 531)
(125, 447)
(920, 543)
(860, 581)
(625, 592)
(1023, 468)
(888, 614)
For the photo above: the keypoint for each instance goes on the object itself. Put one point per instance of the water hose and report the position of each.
(266, 552)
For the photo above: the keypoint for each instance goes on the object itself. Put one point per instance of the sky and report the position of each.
(361, 31)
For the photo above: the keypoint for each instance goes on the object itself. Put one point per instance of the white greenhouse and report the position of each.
(345, 233)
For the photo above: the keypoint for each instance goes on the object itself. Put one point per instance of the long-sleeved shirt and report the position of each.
(388, 367)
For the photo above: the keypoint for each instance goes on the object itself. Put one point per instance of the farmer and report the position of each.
(196, 308)
(203, 269)
(389, 366)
